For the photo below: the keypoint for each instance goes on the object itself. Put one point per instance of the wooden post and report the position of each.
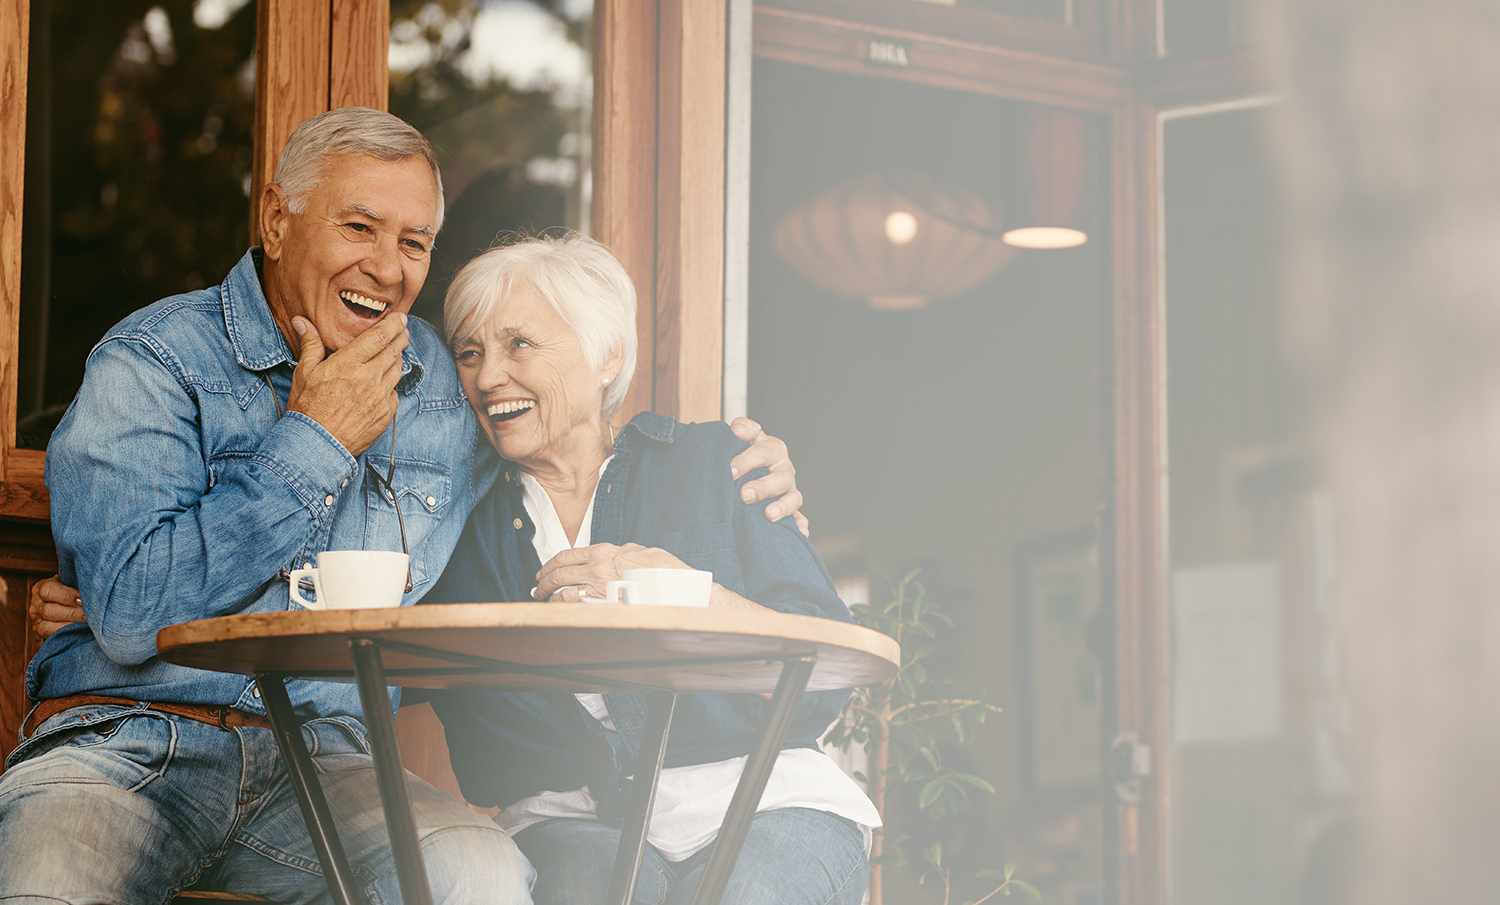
(15, 25)
(659, 191)
(360, 44)
(690, 209)
(291, 82)
(624, 154)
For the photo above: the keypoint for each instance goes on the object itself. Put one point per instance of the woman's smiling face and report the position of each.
(526, 377)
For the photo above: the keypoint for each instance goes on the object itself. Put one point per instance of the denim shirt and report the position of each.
(668, 486)
(180, 491)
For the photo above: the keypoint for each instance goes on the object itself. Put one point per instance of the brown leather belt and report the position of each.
(225, 718)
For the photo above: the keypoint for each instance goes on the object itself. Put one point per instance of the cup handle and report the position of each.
(295, 579)
(632, 592)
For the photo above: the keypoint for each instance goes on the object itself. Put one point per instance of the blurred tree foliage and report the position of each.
(150, 148)
(485, 133)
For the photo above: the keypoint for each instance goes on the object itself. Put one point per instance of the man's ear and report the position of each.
(273, 220)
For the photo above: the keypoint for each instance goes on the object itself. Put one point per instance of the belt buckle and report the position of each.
(222, 713)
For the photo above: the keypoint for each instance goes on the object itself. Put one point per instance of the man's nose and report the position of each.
(383, 263)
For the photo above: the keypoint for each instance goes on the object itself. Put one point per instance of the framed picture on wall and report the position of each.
(1057, 598)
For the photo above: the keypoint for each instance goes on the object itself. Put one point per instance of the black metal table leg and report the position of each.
(369, 673)
(642, 797)
(304, 779)
(794, 675)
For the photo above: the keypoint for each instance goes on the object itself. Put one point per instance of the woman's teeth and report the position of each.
(504, 411)
(371, 306)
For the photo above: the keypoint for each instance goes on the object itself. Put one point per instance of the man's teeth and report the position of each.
(354, 298)
(507, 408)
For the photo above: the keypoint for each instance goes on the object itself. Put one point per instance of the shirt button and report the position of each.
(328, 500)
(257, 691)
(307, 565)
(344, 483)
(432, 501)
(517, 523)
(507, 475)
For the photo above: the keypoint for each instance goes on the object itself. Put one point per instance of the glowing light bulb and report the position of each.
(900, 227)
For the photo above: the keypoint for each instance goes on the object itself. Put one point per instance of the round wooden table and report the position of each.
(661, 651)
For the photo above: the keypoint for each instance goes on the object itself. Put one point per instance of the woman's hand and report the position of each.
(584, 571)
(52, 606)
(767, 451)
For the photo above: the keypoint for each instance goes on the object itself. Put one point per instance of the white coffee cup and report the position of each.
(661, 587)
(353, 580)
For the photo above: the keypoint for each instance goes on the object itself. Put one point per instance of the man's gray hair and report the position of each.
(348, 131)
(573, 274)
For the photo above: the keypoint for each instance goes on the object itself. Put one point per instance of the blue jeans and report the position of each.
(121, 805)
(792, 856)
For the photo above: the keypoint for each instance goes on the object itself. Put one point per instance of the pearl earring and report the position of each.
(606, 381)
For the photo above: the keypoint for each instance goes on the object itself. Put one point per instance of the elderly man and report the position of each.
(220, 439)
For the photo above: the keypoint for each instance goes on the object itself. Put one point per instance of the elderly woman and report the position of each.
(544, 335)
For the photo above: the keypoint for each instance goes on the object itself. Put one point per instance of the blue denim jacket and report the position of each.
(668, 486)
(179, 494)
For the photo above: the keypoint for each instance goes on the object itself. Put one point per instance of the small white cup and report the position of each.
(353, 580)
(661, 587)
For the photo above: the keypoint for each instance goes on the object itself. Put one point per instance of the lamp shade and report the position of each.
(895, 240)
(1055, 155)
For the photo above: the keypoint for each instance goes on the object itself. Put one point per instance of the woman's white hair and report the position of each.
(576, 276)
(352, 132)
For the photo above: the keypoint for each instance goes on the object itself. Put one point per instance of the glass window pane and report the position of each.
(138, 158)
(1261, 769)
(941, 394)
(503, 89)
(1194, 29)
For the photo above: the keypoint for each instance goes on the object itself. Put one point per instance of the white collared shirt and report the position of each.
(691, 801)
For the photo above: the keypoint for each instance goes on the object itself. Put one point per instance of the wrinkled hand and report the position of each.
(52, 606)
(352, 393)
(780, 485)
(584, 571)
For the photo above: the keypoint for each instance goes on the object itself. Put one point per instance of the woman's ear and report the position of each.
(611, 368)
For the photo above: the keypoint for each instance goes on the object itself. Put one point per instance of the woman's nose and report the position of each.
(494, 373)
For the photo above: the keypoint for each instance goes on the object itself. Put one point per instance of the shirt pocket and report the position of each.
(423, 491)
(711, 548)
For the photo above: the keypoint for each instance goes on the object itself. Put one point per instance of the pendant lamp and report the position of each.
(898, 241)
(1055, 161)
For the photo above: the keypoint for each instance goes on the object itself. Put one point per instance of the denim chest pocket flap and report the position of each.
(423, 484)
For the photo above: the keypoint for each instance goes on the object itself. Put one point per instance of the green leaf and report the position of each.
(934, 854)
(1010, 869)
(1027, 888)
(931, 757)
(931, 792)
(977, 782)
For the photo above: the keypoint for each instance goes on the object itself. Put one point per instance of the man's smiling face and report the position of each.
(357, 253)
